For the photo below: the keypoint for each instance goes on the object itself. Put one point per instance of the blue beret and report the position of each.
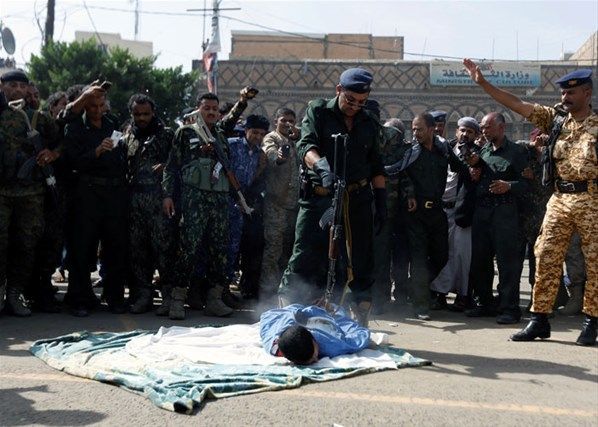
(356, 80)
(14, 76)
(439, 116)
(469, 122)
(255, 121)
(575, 78)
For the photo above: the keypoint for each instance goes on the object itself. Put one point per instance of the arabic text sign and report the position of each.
(498, 73)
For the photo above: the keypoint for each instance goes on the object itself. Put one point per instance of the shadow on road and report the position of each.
(23, 412)
(492, 367)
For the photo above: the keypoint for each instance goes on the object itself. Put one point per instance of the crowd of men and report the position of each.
(342, 208)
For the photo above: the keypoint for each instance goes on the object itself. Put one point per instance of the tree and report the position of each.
(61, 65)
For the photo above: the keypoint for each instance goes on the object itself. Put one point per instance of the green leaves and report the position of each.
(61, 65)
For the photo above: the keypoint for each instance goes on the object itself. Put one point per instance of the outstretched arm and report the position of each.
(501, 96)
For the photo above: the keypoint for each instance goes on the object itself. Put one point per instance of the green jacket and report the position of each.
(323, 118)
(188, 166)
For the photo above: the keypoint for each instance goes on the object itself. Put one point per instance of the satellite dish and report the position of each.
(8, 40)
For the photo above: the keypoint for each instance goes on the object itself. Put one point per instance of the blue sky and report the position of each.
(524, 30)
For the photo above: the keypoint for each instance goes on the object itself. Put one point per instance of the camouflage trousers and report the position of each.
(564, 214)
(279, 235)
(21, 226)
(204, 224)
(151, 241)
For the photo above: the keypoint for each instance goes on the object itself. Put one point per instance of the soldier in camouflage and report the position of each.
(151, 234)
(204, 208)
(281, 202)
(21, 197)
(573, 161)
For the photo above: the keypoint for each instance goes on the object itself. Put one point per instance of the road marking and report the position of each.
(534, 409)
(377, 398)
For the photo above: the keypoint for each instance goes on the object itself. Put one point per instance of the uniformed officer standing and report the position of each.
(245, 153)
(100, 207)
(392, 148)
(204, 208)
(426, 164)
(495, 227)
(574, 205)
(151, 234)
(21, 197)
(305, 276)
(281, 201)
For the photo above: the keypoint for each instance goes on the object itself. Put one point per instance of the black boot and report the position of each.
(538, 327)
(588, 331)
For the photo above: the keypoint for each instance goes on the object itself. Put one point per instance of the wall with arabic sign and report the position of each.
(513, 74)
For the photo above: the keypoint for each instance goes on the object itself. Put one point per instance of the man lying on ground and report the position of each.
(305, 334)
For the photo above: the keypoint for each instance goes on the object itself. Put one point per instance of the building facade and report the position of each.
(403, 88)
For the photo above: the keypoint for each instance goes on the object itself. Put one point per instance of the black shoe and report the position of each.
(438, 302)
(232, 300)
(460, 304)
(481, 311)
(79, 311)
(538, 327)
(117, 308)
(507, 319)
(588, 332)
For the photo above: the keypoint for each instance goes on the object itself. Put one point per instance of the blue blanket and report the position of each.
(181, 386)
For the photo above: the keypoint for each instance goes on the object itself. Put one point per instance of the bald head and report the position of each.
(493, 127)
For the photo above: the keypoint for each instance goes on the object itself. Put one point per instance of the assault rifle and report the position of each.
(333, 220)
(25, 172)
(223, 163)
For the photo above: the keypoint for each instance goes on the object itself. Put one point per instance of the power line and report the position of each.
(305, 36)
(93, 24)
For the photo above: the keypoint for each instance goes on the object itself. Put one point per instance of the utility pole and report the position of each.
(49, 29)
(211, 47)
(136, 16)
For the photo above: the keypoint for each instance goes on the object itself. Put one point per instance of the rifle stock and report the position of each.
(207, 136)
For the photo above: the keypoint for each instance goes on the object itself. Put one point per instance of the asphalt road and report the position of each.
(478, 378)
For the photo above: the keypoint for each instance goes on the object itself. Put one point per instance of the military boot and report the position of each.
(164, 309)
(177, 303)
(144, 301)
(575, 301)
(15, 304)
(538, 327)
(214, 304)
(588, 332)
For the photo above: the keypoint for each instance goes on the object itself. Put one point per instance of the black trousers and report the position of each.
(427, 232)
(495, 232)
(100, 214)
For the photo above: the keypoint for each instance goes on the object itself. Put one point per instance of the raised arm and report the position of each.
(501, 96)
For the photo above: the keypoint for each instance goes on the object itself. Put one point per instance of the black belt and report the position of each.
(429, 204)
(321, 191)
(573, 186)
(448, 205)
(104, 182)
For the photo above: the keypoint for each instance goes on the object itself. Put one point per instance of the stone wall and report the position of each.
(402, 88)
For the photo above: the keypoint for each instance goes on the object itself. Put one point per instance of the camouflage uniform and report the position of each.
(21, 201)
(204, 206)
(280, 211)
(151, 233)
(575, 160)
